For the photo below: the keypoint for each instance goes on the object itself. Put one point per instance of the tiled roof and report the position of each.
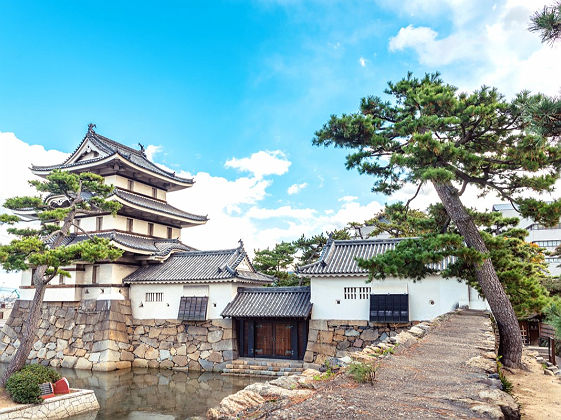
(270, 302)
(199, 266)
(156, 205)
(111, 147)
(157, 247)
(339, 257)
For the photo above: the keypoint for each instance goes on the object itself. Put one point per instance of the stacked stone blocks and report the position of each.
(102, 335)
(337, 338)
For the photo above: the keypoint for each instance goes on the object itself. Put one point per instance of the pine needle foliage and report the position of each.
(548, 23)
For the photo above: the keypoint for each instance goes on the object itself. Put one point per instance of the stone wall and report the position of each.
(337, 338)
(200, 346)
(78, 402)
(102, 335)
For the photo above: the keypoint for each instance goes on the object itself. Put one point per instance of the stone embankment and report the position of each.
(78, 402)
(333, 338)
(102, 335)
(439, 369)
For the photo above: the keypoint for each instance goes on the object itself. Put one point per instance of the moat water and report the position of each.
(137, 394)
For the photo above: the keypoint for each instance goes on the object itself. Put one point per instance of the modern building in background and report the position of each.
(548, 238)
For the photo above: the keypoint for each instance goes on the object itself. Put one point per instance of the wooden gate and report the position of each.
(284, 339)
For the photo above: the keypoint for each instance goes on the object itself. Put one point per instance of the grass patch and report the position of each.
(362, 372)
(507, 385)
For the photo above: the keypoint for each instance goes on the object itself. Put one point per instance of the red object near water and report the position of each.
(61, 386)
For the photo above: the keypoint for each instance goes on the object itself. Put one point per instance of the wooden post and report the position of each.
(552, 350)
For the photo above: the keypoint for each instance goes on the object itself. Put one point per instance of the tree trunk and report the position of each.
(29, 328)
(510, 345)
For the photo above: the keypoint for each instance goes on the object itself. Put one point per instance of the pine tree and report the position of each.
(62, 197)
(520, 265)
(548, 23)
(429, 133)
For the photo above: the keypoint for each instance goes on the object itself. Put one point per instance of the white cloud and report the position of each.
(348, 198)
(15, 160)
(296, 188)
(152, 150)
(261, 163)
(362, 61)
(489, 43)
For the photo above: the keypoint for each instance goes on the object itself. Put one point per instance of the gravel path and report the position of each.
(426, 380)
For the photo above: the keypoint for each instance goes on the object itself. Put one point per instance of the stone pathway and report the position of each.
(430, 379)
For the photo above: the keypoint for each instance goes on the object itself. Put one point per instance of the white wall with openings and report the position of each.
(334, 298)
(219, 295)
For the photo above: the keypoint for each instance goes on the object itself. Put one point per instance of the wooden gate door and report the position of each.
(264, 339)
(283, 339)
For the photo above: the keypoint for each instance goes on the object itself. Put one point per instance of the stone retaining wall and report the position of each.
(79, 401)
(102, 335)
(200, 346)
(337, 338)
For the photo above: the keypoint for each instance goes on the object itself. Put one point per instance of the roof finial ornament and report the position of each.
(91, 127)
(241, 243)
(142, 150)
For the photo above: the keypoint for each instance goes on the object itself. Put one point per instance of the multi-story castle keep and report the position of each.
(159, 304)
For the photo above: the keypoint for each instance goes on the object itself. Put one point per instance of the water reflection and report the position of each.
(138, 394)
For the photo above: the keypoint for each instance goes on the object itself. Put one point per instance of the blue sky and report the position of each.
(208, 82)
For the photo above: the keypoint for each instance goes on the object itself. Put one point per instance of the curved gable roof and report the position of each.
(339, 257)
(109, 148)
(196, 266)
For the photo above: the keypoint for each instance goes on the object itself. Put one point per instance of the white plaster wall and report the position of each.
(119, 222)
(67, 294)
(220, 294)
(102, 293)
(139, 187)
(89, 224)
(108, 273)
(445, 293)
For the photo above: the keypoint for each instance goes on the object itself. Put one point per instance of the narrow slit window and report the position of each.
(352, 293)
(76, 225)
(170, 233)
(129, 224)
(154, 192)
(99, 223)
(60, 279)
(154, 297)
(151, 229)
(131, 185)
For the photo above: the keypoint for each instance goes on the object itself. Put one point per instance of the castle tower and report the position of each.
(146, 228)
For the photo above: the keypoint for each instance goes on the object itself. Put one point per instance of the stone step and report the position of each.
(542, 351)
(256, 372)
(268, 362)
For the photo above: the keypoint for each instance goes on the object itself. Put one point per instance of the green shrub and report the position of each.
(43, 373)
(362, 372)
(23, 388)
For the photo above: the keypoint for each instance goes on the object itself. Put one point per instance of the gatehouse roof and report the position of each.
(270, 302)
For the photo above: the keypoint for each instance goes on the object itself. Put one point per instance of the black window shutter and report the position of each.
(389, 307)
